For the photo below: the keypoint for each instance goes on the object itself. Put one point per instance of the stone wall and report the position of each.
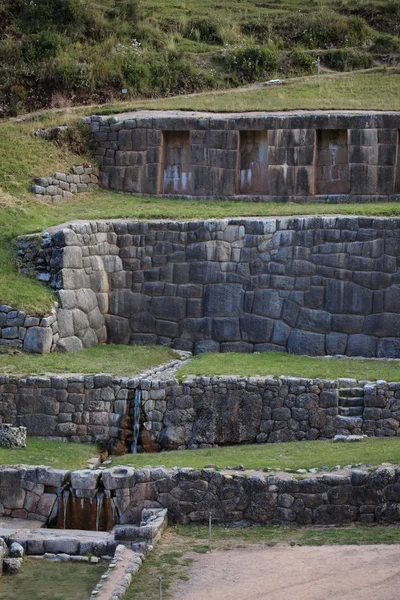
(82, 178)
(306, 285)
(189, 495)
(297, 156)
(197, 413)
(77, 408)
(24, 332)
(204, 412)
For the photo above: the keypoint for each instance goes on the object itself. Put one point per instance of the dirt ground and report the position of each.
(298, 573)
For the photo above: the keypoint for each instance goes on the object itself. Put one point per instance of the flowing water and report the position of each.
(136, 419)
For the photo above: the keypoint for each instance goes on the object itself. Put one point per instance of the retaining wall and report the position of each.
(200, 412)
(189, 495)
(306, 285)
(82, 178)
(298, 156)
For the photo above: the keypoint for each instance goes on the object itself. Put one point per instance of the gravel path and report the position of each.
(299, 573)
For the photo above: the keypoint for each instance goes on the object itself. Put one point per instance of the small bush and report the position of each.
(250, 63)
(347, 60)
(203, 30)
(301, 62)
(385, 44)
(324, 29)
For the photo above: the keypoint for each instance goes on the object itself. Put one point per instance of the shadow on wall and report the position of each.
(315, 285)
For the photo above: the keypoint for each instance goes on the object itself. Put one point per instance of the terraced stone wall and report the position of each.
(331, 499)
(312, 285)
(298, 156)
(198, 413)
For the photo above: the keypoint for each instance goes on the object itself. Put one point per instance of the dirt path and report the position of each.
(299, 573)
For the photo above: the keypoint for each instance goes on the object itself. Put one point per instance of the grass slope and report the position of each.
(44, 580)
(60, 455)
(357, 91)
(280, 363)
(81, 51)
(118, 360)
(289, 455)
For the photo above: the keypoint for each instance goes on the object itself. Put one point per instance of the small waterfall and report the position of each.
(99, 504)
(136, 419)
(65, 496)
(94, 513)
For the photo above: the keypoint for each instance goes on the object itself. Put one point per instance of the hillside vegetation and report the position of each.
(63, 52)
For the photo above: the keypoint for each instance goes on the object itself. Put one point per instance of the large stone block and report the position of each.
(226, 329)
(38, 340)
(361, 345)
(256, 329)
(223, 300)
(125, 303)
(305, 342)
(267, 303)
(348, 298)
(168, 308)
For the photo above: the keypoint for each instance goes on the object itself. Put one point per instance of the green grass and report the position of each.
(180, 543)
(357, 91)
(289, 455)
(60, 455)
(44, 580)
(115, 359)
(281, 363)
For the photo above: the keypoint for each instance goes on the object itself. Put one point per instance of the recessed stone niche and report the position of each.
(253, 174)
(332, 170)
(177, 173)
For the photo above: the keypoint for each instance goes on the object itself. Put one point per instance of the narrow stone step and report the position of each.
(352, 411)
(351, 402)
(351, 392)
(349, 423)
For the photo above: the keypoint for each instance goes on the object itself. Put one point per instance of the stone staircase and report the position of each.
(351, 407)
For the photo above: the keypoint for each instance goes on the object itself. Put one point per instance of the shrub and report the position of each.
(250, 63)
(203, 30)
(42, 46)
(385, 44)
(17, 99)
(324, 29)
(347, 60)
(301, 62)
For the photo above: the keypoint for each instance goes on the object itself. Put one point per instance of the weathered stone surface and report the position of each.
(12, 437)
(38, 340)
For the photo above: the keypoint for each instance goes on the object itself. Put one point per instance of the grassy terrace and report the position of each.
(362, 90)
(60, 455)
(44, 580)
(277, 363)
(118, 360)
(290, 455)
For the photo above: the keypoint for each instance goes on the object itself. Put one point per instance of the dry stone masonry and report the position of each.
(28, 333)
(190, 495)
(82, 178)
(200, 412)
(306, 285)
(298, 156)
